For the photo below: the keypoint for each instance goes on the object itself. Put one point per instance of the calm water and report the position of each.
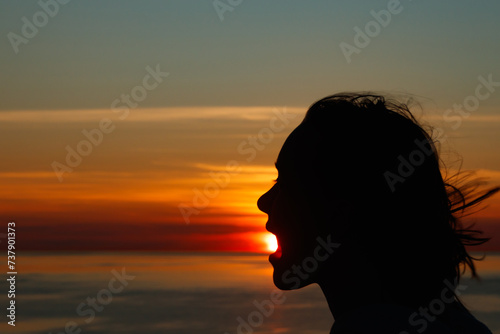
(181, 293)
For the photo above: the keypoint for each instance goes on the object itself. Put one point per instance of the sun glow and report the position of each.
(272, 243)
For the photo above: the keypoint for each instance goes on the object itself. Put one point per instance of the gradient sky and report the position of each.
(226, 81)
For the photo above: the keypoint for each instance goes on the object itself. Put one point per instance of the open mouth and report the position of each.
(277, 254)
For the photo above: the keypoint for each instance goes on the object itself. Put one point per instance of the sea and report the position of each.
(181, 293)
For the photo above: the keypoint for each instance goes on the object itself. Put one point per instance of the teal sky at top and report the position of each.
(262, 53)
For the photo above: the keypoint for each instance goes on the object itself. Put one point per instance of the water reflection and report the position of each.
(185, 293)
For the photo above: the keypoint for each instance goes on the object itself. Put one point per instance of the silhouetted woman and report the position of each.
(360, 207)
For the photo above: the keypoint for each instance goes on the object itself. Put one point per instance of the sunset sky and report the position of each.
(177, 100)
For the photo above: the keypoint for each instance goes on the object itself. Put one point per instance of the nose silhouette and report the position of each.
(265, 202)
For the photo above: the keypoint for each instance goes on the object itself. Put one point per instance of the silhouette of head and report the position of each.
(360, 196)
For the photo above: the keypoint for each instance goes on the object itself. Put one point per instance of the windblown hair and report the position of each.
(387, 169)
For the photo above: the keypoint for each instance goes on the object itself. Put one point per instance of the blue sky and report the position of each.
(262, 53)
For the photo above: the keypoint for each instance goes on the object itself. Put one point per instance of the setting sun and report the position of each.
(272, 243)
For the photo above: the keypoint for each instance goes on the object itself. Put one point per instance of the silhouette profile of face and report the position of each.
(290, 213)
(361, 175)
